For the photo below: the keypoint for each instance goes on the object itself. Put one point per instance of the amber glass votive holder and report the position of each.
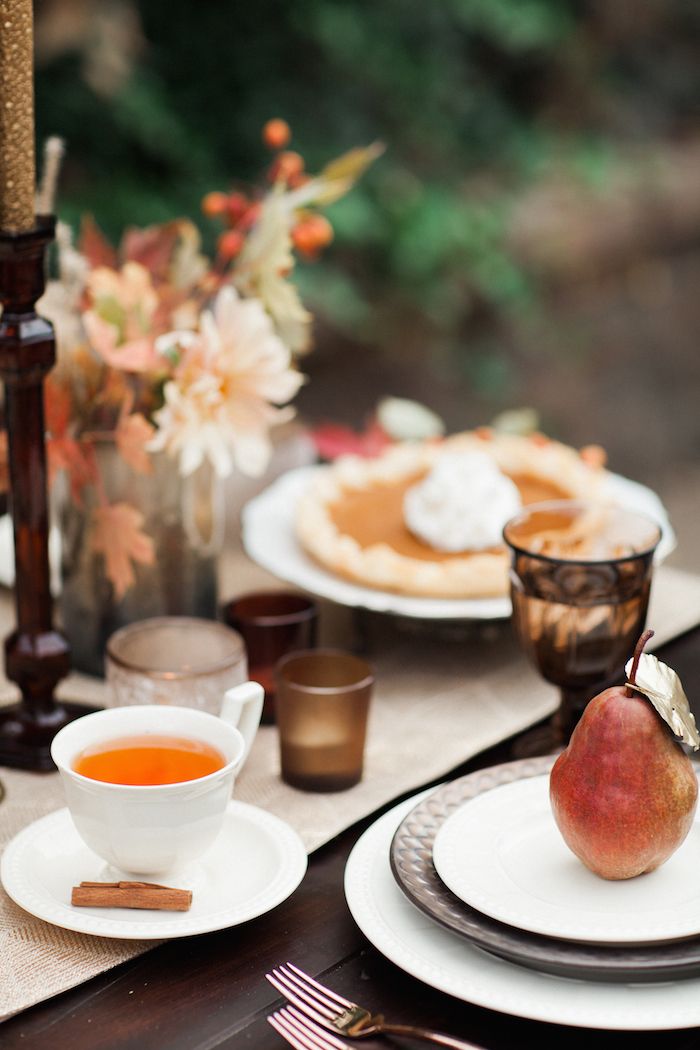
(272, 624)
(323, 698)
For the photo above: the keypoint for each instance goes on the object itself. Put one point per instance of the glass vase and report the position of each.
(185, 519)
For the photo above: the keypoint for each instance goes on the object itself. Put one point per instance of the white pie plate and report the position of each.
(503, 854)
(445, 961)
(269, 538)
(256, 862)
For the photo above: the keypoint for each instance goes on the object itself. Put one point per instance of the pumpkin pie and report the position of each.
(353, 517)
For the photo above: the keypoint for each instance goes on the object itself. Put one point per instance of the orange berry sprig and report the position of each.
(229, 244)
(311, 232)
(311, 235)
(277, 133)
(238, 213)
(288, 166)
(214, 203)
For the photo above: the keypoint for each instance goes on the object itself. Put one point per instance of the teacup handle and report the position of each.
(242, 708)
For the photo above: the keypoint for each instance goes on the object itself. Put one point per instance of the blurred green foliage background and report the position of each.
(480, 103)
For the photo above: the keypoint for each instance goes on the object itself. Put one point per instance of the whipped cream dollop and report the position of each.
(462, 504)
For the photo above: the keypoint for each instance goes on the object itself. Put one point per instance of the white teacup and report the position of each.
(155, 829)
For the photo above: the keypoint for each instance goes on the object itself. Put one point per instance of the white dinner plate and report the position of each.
(269, 538)
(256, 862)
(447, 962)
(503, 854)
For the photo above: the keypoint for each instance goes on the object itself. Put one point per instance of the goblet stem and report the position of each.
(554, 734)
(572, 706)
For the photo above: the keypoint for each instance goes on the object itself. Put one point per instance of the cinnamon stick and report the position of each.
(148, 895)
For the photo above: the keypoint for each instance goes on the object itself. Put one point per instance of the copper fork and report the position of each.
(302, 1033)
(344, 1017)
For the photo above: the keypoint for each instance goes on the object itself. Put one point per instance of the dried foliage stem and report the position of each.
(53, 155)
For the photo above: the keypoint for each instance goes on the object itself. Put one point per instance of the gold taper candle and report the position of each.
(17, 164)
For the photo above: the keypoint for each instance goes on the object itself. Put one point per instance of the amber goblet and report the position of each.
(580, 579)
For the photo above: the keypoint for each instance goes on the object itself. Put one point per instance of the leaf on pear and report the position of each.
(662, 686)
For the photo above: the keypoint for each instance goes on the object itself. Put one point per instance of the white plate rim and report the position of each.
(268, 538)
(492, 892)
(443, 960)
(291, 868)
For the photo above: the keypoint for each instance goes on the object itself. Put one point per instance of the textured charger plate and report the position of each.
(412, 867)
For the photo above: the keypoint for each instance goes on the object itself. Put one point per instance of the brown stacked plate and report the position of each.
(414, 870)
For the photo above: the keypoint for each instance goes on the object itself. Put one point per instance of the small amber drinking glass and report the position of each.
(272, 624)
(323, 700)
(580, 580)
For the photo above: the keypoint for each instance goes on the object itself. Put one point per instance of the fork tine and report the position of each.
(302, 1033)
(303, 1022)
(297, 995)
(285, 1032)
(326, 993)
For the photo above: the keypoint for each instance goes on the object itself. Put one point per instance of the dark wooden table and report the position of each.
(209, 992)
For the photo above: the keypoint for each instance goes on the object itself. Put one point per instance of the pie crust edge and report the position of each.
(379, 566)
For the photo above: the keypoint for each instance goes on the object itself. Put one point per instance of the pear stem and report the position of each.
(638, 650)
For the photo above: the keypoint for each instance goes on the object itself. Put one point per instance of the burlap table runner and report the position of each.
(443, 693)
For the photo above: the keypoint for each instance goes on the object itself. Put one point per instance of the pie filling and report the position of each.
(375, 515)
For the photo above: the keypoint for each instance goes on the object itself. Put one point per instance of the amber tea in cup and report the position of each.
(148, 760)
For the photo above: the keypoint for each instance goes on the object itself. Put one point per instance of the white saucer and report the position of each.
(503, 854)
(256, 862)
(269, 539)
(444, 960)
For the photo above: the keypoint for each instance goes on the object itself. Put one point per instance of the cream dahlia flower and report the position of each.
(231, 377)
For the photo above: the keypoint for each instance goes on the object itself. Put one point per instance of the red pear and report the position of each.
(623, 792)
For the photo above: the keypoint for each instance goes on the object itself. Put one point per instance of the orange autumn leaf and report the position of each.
(117, 534)
(57, 407)
(77, 459)
(152, 247)
(132, 435)
(94, 245)
(63, 451)
(134, 355)
(114, 391)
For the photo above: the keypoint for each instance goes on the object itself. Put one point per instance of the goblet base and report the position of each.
(545, 739)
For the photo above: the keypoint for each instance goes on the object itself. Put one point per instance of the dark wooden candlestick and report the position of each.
(36, 655)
